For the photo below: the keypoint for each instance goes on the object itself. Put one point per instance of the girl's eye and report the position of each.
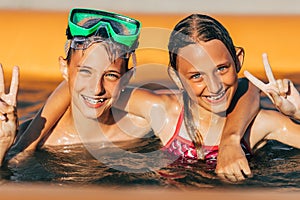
(223, 69)
(112, 76)
(196, 76)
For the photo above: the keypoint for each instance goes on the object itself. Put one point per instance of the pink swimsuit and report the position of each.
(184, 148)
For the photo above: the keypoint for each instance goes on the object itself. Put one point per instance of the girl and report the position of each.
(204, 63)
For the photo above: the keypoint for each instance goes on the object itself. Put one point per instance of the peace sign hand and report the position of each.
(8, 113)
(282, 92)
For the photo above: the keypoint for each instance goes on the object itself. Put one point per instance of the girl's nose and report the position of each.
(214, 85)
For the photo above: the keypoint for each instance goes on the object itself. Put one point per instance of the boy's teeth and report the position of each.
(93, 101)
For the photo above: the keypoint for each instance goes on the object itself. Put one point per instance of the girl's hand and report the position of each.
(8, 113)
(282, 93)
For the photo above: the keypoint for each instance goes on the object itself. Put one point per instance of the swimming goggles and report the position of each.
(128, 37)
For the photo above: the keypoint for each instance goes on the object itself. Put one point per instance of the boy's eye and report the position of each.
(85, 71)
(112, 76)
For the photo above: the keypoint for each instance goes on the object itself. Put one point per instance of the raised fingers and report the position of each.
(268, 68)
(283, 87)
(14, 85)
(2, 87)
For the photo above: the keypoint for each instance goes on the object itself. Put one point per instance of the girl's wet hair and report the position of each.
(199, 28)
(114, 50)
(194, 29)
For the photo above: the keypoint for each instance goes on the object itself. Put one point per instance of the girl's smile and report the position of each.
(208, 74)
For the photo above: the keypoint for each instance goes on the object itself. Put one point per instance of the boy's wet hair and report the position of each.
(114, 50)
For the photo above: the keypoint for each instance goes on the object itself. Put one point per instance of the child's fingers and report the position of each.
(275, 97)
(14, 85)
(268, 69)
(237, 172)
(245, 168)
(255, 81)
(282, 89)
(2, 117)
(5, 108)
(2, 89)
(286, 85)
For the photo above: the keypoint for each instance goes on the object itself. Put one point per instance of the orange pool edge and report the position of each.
(34, 40)
(38, 191)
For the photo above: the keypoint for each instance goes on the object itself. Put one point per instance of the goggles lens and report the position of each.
(120, 28)
(81, 43)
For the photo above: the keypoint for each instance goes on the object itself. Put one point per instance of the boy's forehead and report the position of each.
(95, 55)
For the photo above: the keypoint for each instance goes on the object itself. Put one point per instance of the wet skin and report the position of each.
(208, 74)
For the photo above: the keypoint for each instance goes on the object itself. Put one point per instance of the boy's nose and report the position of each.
(99, 88)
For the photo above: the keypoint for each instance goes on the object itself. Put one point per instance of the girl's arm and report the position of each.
(43, 122)
(232, 163)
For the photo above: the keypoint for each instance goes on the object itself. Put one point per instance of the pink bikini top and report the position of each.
(184, 148)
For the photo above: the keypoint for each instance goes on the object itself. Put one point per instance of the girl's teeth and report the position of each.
(217, 97)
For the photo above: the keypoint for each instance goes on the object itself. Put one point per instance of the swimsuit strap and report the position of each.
(176, 133)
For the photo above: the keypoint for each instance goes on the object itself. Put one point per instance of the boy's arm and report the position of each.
(42, 123)
(232, 164)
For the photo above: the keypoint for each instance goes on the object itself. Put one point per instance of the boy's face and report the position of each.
(94, 80)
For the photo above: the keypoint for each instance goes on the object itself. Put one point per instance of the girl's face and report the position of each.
(94, 80)
(208, 73)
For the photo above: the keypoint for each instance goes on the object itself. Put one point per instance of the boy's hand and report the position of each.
(8, 114)
(282, 92)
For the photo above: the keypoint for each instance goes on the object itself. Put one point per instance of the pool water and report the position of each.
(274, 166)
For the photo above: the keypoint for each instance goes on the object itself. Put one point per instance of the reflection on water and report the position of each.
(275, 166)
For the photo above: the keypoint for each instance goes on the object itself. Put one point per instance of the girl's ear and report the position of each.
(63, 67)
(174, 76)
(240, 54)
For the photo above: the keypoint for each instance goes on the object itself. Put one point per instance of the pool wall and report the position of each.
(35, 39)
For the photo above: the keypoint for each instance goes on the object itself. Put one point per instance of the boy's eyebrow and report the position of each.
(111, 70)
(83, 66)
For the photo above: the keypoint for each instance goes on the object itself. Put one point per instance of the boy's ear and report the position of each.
(174, 76)
(240, 54)
(63, 67)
